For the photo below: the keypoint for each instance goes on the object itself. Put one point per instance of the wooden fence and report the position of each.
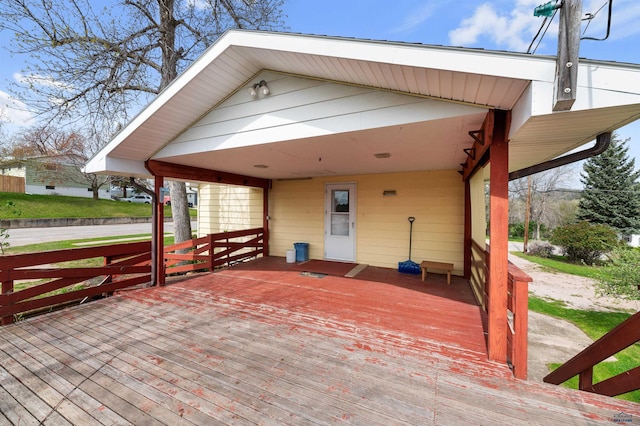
(123, 266)
(12, 184)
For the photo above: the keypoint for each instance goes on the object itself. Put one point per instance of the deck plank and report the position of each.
(245, 370)
(256, 345)
(74, 404)
(255, 362)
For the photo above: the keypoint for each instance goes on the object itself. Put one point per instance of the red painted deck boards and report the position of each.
(259, 344)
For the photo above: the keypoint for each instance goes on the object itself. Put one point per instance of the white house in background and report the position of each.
(51, 178)
(632, 240)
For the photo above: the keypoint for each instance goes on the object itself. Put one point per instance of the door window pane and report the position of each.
(340, 212)
(340, 224)
(340, 201)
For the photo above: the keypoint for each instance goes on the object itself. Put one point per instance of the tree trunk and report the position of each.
(527, 214)
(180, 211)
(169, 71)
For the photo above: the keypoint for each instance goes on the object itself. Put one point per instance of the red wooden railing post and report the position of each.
(7, 289)
(585, 379)
(519, 304)
(211, 251)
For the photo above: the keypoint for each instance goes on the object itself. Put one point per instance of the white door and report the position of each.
(340, 222)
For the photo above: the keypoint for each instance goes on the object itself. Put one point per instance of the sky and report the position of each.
(488, 24)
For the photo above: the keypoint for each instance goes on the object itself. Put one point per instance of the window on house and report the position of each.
(50, 187)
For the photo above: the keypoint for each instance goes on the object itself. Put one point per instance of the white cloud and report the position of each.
(13, 111)
(505, 29)
(417, 17)
(40, 80)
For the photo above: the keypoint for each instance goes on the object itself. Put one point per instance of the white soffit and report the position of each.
(473, 76)
(470, 76)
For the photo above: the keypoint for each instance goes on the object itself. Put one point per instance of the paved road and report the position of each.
(24, 236)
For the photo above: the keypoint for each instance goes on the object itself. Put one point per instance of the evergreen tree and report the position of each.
(611, 193)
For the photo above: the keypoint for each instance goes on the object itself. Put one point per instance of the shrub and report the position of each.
(621, 276)
(540, 249)
(517, 229)
(583, 242)
(4, 234)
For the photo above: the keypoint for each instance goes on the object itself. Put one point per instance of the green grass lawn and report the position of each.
(560, 264)
(595, 324)
(25, 206)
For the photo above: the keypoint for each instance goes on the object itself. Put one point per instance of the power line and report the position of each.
(546, 21)
(591, 16)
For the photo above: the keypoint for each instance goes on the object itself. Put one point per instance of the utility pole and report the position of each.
(566, 82)
(527, 215)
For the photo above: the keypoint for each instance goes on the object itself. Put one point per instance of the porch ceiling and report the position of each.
(473, 77)
(432, 145)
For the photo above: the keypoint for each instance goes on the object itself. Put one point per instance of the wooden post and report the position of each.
(467, 229)
(159, 228)
(527, 215)
(499, 239)
(265, 221)
(7, 289)
(568, 53)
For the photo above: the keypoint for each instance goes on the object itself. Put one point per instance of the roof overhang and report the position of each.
(608, 97)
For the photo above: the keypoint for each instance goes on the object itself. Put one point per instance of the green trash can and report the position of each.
(302, 251)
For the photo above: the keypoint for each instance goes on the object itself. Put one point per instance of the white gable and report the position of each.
(413, 101)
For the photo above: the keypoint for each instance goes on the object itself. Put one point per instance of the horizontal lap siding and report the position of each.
(435, 199)
(228, 208)
(296, 212)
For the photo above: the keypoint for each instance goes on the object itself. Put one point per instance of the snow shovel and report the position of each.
(408, 266)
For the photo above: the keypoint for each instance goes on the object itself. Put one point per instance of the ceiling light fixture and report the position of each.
(259, 88)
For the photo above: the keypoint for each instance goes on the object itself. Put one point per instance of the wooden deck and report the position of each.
(261, 344)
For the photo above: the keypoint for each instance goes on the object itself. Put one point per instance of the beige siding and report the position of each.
(296, 212)
(228, 208)
(478, 234)
(435, 199)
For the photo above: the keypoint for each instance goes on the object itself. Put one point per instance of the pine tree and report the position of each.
(611, 193)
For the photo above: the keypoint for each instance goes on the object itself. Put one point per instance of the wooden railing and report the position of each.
(123, 266)
(621, 337)
(214, 251)
(517, 307)
(479, 268)
(518, 318)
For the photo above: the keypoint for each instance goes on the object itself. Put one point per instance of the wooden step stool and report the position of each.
(436, 265)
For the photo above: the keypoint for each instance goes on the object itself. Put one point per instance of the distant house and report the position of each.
(632, 240)
(50, 178)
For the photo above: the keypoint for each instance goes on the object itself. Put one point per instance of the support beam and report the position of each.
(265, 220)
(481, 143)
(499, 238)
(197, 174)
(158, 245)
(467, 229)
